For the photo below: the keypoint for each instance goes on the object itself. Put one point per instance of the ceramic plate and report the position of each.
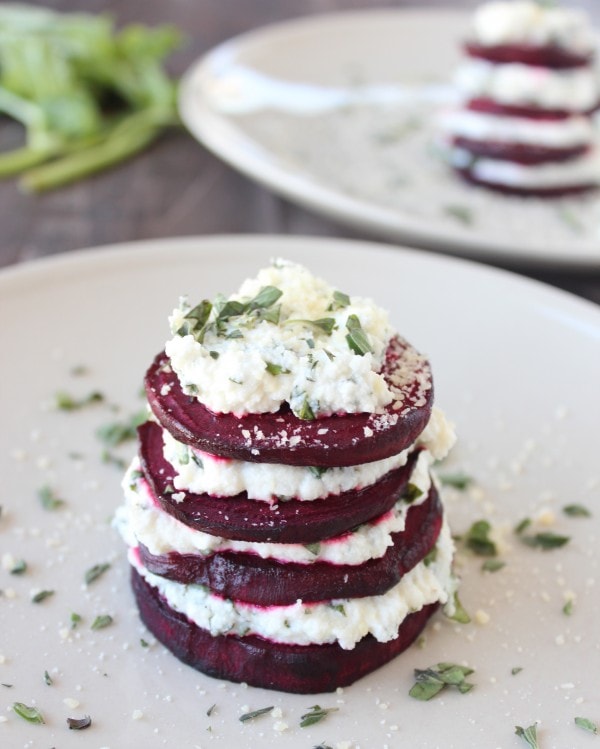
(338, 113)
(520, 381)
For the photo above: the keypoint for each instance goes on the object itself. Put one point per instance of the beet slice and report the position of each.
(521, 153)
(266, 582)
(547, 56)
(303, 669)
(246, 519)
(528, 192)
(337, 440)
(490, 106)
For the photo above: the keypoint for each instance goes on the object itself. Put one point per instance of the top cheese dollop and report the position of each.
(284, 337)
(528, 22)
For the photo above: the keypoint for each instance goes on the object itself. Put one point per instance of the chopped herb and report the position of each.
(211, 710)
(306, 413)
(75, 620)
(478, 541)
(275, 369)
(340, 300)
(19, 567)
(430, 681)
(522, 526)
(117, 432)
(456, 480)
(95, 572)
(461, 213)
(357, 338)
(411, 493)
(313, 548)
(339, 607)
(78, 724)
(460, 614)
(586, 724)
(214, 354)
(317, 471)
(30, 714)
(323, 746)
(430, 557)
(65, 402)
(265, 298)
(8, 686)
(516, 670)
(102, 621)
(529, 735)
(114, 460)
(196, 321)
(493, 565)
(143, 643)
(316, 715)
(545, 541)
(79, 370)
(41, 596)
(568, 607)
(47, 678)
(255, 713)
(324, 324)
(577, 511)
(49, 498)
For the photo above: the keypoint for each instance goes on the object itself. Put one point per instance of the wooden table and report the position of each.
(177, 187)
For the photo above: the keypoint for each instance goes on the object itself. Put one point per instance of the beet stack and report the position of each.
(529, 89)
(282, 523)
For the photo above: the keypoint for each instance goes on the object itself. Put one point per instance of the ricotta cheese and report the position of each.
(248, 363)
(345, 621)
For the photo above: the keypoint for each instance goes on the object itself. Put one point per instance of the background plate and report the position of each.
(338, 113)
(519, 379)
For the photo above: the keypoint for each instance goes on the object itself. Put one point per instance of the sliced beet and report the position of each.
(528, 192)
(244, 519)
(337, 440)
(266, 582)
(548, 56)
(303, 669)
(521, 153)
(490, 106)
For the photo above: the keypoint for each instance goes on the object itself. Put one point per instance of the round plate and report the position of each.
(339, 113)
(518, 377)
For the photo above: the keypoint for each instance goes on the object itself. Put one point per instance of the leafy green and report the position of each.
(586, 724)
(30, 714)
(357, 338)
(316, 715)
(529, 735)
(478, 541)
(545, 540)
(431, 681)
(49, 498)
(95, 572)
(577, 511)
(456, 480)
(87, 95)
(102, 621)
(255, 714)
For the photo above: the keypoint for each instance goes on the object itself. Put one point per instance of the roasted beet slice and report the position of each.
(304, 669)
(490, 106)
(246, 519)
(337, 440)
(521, 153)
(265, 582)
(548, 56)
(528, 192)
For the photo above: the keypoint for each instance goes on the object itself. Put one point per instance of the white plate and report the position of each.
(338, 112)
(519, 377)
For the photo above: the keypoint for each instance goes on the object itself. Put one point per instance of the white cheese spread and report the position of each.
(249, 364)
(345, 621)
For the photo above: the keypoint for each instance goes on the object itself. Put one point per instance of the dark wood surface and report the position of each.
(177, 187)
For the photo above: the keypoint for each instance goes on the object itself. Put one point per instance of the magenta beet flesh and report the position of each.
(282, 437)
(245, 519)
(303, 669)
(266, 582)
(548, 192)
(520, 153)
(549, 56)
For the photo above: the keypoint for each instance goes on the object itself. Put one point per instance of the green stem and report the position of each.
(20, 159)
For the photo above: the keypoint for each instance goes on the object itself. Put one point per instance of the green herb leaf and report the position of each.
(431, 681)
(586, 724)
(316, 715)
(49, 498)
(324, 324)
(117, 432)
(19, 567)
(478, 541)
(113, 460)
(411, 493)
(102, 621)
(255, 714)
(317, 471)
(95, 572)
(266, 297)
(568, 607)
(340, 300)
(47, 678)
(306, 413)
(313, 548)
(456, 480)
(522, 526)
(545, 541)
(41, 596)
(493, 565)
(461, 213)
(275, 369)
(211, 709)
(516, 670)
(30, 714)
(357, 338)
(577, 511)
(430, 557)
(529, 735)
(339, 607)
(66, 402)
(75, 619)
(460, 614)
(79, 724)
(143, 643)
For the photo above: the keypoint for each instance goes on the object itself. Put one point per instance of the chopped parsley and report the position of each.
(315, 715)
(305, 412)
(577, 511)
(460, 614)
(75, 619)
(49, 499)
(431, 681)
(317, 471)
(568, 607)
(478, 541)
(102, 621)
(66, 402)
(41, 596)
(19, 567)
(275, 369)
(412, 493)
(339, 301)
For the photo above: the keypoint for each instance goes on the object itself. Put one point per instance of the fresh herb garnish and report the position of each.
(492, 565)
(586, 724)
(522, 526)
(255, 714)
(102, 621)
(211, 709)
(357, 338)
(117, 432)
(430, 557)
(339, 607)
(19, 567)
(478, 541)
(47, 678)
(275, 369)
(66, 402)
(340, 300)
(95, 572)
(75, 620)
(306, 413)
(456, 480)
(324, 324)
(30, 714)
(460, 614)
(545, 540)
(49, 499)
(461, 213)
(317, 471)
(529, 735)
(577, 511)
(313, 548)
(41, 596)
(316, 715)
(113, 460)
(568, 607)
(78, 724)
(516, 670)
(412, 493)
(430, 681)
